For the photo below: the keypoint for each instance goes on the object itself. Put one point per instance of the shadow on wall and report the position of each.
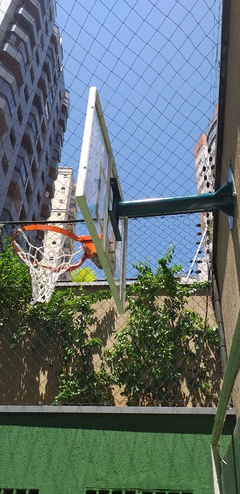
(30, 369)
(34, 370)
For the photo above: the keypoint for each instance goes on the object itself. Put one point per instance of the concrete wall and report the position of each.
(226, 242)
(66, 452)
(29, 371)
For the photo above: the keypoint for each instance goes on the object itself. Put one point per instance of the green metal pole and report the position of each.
(223, 199)
(232, 369)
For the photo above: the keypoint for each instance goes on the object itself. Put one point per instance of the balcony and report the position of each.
(32, 6)
(27, 23)
(65, 104)
(3, 110)
(72, 216)
(30, 136)
(53, 169)
(43, 7)
(62, 124)
(55, 39)
(46, 208)
(50, 186)
(15, 29)
(39, 103)
(43, 85)
(13, 60)
(14, 194)
(47, 70)
(27, 145)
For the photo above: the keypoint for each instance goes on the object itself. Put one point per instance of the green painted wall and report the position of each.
(66, 453)
(231, 467)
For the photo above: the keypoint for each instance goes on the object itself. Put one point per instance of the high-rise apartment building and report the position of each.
(205, 162)
(64, 210)
(34, 107)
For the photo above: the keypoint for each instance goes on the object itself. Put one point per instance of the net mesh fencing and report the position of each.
(156, 68)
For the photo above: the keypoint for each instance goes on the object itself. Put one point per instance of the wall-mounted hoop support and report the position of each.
(113, 213)
(223, 199)
(231, 180)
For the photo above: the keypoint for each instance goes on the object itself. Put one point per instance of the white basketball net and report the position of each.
(46, 264)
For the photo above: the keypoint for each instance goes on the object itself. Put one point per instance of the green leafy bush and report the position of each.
(161, 356)
(64, 320)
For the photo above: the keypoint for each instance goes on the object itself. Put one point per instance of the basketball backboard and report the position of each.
(95, 197)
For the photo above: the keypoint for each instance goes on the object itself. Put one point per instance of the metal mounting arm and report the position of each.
(223, 199)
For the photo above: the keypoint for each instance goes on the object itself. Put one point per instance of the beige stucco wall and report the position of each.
(227, 243)
(29, 371)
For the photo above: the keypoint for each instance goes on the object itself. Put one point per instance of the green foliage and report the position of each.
(161, 356)
(15, 283)
(65, 320)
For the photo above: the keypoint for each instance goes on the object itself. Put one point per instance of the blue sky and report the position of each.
(155, 65)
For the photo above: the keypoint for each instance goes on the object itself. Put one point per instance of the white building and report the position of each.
(34, 107)
(64, 209)
(205, 162)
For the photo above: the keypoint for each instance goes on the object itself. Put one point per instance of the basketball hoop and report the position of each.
(49, 257)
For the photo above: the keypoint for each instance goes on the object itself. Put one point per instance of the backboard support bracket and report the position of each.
(224, 199)
(113, 213)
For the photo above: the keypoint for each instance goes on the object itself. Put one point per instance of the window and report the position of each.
(20, 45)
(46, 27)
(19, 491)
(43, 128)
(20, 166)
(22, 215)
(26, 93)
(12, 138)
(38, 197)
(47, 111)
(135, 491)
(39, 149)
(59, 139)
(32, 75)
(55, 155)
(31, 122)
(42, 43)
(50, 96)
(6, 92)
(20, 114)
(37, 57)
(4, 164)
(34, 170)
(28, 192)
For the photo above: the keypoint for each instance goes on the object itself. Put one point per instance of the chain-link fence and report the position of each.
(156, 69)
